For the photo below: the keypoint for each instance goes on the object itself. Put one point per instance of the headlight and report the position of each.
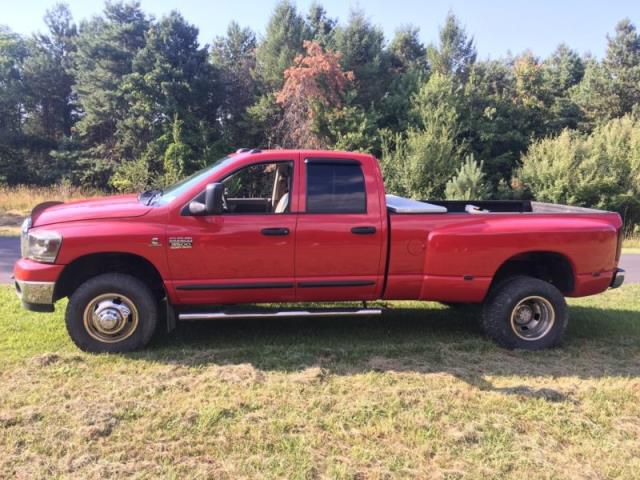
(24, 237)
(43, 245)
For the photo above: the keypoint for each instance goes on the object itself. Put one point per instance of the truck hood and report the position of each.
(117, 206)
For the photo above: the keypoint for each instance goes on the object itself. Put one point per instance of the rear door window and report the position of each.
(335, 187)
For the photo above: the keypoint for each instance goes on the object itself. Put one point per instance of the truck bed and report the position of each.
(401, 205)
(441, 250)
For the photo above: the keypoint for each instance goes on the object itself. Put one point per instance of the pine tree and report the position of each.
(429, 155)
(176, 156)
(102, 63)
(469, 182)
(285, 33)
(321, 26)
(171, 77)
(362, 48)
(455, 52)
(234, 57)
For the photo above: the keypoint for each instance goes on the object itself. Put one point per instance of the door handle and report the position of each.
(274, 232)
(363, 230)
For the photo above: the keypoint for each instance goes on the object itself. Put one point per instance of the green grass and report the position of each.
(417, 393)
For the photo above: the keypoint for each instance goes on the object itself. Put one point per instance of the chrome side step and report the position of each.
(355, 312)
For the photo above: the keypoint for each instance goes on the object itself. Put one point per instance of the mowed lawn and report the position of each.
(417, 393)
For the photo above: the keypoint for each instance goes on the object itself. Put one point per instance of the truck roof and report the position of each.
(337, 154)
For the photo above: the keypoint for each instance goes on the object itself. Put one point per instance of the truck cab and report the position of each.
(286, 226)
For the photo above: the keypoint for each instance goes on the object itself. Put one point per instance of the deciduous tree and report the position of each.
(315, 82)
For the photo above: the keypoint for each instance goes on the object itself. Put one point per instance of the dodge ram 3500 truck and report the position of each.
(282, 226)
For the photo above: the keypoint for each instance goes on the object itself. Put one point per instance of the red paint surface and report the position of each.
(427, 256)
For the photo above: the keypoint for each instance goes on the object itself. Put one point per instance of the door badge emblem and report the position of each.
(180, 242)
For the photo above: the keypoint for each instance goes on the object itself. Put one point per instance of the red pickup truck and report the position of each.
(287, 226)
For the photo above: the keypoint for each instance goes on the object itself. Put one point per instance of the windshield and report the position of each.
(177, 189)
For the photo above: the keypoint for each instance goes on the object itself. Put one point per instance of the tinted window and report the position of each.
(335, 188)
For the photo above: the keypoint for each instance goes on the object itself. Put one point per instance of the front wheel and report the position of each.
(525, 312)
(113, 313)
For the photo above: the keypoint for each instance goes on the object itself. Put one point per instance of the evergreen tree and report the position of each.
(176, 156)
(469, 182)
(420, 164)
(286, 31)
(409, 70)
(363, 53)
(171, 77)
(321, 26)
(13, 51)
(562, 71)
(47, 77)
(102, 63)
(234, 57)
(612, 88)
(622, 63)
(455, 52)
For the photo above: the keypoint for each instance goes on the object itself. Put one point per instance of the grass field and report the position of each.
(417, 393)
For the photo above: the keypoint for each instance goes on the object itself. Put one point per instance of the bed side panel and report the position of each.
(461, 253)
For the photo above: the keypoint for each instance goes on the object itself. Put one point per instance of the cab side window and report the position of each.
(335, 187)
(259, 188)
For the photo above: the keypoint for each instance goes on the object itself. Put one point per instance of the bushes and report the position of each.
(428, 156)
(600, 170)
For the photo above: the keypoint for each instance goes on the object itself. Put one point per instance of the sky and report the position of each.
(499, 27)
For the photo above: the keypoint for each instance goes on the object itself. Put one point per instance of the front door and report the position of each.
(245, 254)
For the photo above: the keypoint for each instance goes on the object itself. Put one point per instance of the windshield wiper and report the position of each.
(149, 196)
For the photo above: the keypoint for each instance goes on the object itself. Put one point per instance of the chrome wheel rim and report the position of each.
(532, 318)
(110, 318)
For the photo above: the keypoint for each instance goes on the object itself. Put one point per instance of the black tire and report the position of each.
(113, 295)
(525, 312)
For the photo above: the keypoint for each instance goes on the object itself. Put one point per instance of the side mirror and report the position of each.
(213, 201)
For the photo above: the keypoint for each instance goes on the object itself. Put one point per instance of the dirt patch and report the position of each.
(98, 424)
(310, 375)
(244, 374)
(47, 359)
(384, 364)
(25, 416)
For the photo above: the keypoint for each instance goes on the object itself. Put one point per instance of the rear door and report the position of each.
(339, 237)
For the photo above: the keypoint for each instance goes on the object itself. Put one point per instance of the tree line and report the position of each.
(125, 101)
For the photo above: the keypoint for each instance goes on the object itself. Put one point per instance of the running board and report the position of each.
(356, 312)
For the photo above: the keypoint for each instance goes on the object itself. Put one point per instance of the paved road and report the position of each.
(10, 251)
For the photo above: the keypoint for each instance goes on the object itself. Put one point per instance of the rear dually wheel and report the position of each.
(525, 312)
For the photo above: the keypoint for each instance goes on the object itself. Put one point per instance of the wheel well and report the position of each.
(551, 267)
(84, 268)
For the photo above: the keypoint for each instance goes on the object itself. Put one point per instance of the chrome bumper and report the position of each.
(36, 296)
(618, 278)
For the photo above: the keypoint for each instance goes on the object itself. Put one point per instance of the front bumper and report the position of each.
(36, 296)
(35, 284)
(618, 278)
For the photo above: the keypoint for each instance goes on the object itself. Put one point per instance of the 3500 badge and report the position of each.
(180, 242)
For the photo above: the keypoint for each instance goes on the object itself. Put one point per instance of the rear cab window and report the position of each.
(335, 186)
